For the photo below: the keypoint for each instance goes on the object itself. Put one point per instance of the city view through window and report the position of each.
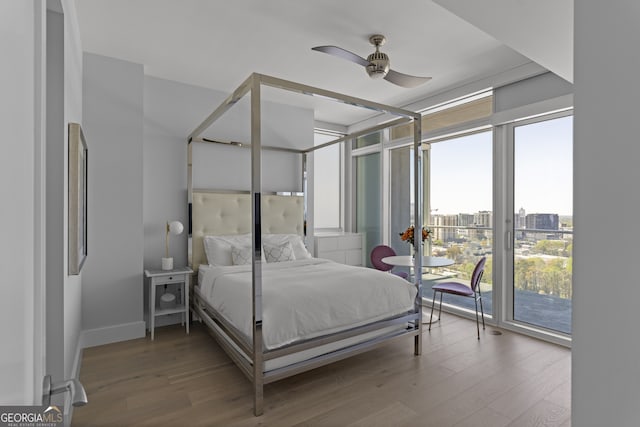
(543, 221)
(461, 218)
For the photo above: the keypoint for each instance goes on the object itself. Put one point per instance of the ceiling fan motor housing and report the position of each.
(378, 65)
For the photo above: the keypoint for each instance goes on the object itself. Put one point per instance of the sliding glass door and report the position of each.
(401, 197)
(543, 223)
(368, 199)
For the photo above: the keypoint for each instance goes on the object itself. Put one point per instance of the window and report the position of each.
(543, 223)
(327, 182)
(513, 179)
(367, 140)
(368, 200)
(460, 183)
(450, 115)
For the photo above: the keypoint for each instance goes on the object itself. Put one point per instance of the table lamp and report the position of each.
(173, 227)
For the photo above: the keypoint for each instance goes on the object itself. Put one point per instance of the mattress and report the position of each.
(305, 299)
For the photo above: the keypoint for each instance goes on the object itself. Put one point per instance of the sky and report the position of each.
(543, 181)
(461, 170)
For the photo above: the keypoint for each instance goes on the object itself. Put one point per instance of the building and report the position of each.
(445, 227)
(542, 221)
(481, 221)
(520, 222)
(464, 220)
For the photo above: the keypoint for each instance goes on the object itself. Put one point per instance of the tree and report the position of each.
(551, 277)
(454, 252)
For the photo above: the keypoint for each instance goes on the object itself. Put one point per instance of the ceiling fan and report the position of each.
(376, 64)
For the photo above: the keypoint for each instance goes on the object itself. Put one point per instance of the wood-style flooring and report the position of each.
(187, 380)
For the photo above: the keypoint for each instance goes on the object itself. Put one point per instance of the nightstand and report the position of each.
(177, 276)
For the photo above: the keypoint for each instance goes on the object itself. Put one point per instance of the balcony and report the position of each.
(542, 287)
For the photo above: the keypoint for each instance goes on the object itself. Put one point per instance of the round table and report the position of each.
(427, 262)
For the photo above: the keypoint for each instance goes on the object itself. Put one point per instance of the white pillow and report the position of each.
(278, 253)
(218, 248)
(241, 255)
(299, 250)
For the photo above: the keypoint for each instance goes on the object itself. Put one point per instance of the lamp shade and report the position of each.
(176, 227)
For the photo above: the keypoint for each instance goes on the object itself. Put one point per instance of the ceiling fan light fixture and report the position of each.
(378, 65)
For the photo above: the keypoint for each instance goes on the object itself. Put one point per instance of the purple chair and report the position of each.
(460, 289)
(380, 252)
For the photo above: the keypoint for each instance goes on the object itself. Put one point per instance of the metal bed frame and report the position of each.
(225, 333)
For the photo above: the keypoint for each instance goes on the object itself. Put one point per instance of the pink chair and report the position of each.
(382, 251)
(460, 289)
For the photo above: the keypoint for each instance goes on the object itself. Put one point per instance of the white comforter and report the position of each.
(306, 298)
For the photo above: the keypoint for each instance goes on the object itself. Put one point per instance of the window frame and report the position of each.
(506, 142)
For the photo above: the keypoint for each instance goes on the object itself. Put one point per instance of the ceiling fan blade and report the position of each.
(341, 53)
(405, 80)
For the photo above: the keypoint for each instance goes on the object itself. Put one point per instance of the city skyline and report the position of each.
(435, 213)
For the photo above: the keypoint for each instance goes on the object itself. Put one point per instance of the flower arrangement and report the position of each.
(408, 234)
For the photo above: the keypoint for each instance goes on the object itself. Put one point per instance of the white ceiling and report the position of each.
(541, 30)
(218, 44)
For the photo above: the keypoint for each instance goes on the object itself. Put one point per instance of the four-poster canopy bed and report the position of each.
(314, 311)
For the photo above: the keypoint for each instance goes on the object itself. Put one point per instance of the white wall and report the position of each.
(17, 246)
(24, 182)
(112, 275)
(73, 113)
(606, 344)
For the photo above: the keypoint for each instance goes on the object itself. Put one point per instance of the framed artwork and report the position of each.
(77, 199)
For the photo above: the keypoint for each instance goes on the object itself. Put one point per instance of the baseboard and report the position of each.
(111, 334)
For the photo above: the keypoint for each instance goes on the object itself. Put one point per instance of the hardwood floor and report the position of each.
(179, 380)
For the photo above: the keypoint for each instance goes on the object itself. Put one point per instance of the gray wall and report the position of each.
(136, 127)
(606, 348)
(112, 275)
(171, 111)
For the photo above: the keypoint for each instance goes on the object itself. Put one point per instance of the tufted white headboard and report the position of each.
(230, 213)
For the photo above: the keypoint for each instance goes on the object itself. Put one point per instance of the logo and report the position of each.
(31, 416)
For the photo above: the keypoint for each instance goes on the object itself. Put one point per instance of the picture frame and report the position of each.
(78, 192)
